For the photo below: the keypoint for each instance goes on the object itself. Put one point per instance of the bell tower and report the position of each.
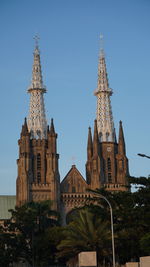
(108, 165)
(38, 173)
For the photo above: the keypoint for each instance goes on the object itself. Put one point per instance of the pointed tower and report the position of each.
(37, 123)
(24, 164)
(95, 141)
(89, 145)
(89, 157)
(121, 142)
(122, 161)
(103, 169)
(38, 175)
(105, 124)
(94, 170)
(96, 161)
(103, 92)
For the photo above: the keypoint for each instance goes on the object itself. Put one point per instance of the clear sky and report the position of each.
(69, 43)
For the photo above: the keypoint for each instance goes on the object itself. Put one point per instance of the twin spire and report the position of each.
(103, 92)
(104, 130)
(37, 123)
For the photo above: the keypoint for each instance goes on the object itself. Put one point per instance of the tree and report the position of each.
(145, 244)
(86, 233)
(9, 247)
(131, 215)
(142, 200)
(29, 224)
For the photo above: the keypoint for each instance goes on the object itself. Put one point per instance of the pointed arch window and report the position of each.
(38, 177)
(38, 164)
(38, 161)
(109, 170)
(109, 164)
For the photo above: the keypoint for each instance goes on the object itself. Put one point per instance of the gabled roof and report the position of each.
(73, 171)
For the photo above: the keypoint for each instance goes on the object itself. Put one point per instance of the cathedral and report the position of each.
(38, 169)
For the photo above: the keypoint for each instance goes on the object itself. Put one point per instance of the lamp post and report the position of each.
(112, 226)
(143, 155)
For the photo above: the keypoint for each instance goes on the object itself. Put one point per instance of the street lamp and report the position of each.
(112, 225)
(143, 155)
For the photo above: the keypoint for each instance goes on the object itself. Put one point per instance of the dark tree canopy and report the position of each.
(26, 235)
(34, 234)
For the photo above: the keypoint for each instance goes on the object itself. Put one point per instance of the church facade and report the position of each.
(38, 169)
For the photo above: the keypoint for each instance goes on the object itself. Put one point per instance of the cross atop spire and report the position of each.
(37, 80)
(36, 38)
(101, 46)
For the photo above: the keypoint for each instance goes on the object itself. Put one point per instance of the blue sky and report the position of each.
(69, 42)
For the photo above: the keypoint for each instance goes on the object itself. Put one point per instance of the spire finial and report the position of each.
(101, 45)
(36, 38)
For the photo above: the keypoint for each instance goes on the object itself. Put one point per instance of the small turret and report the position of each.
(24, 131)
(122, 161)
(89, 145)
(52, 136)
(121, 141)
(95, 140)
(52, 129)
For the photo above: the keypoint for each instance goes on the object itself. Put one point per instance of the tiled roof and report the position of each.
(6, 203)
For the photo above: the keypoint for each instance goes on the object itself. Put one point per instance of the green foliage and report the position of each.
(29, 225)
(9, 247)
(145, 244)
(34, 233)
(142, 181)
(131, 215)
(86, 233)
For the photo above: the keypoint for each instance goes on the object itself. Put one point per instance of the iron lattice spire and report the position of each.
(37, 123)
(105, 122)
